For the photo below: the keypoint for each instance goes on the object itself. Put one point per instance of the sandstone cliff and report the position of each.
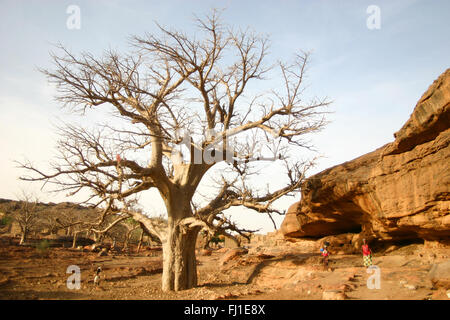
(399, 191)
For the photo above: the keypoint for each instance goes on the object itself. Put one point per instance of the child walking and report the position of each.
(325, 254)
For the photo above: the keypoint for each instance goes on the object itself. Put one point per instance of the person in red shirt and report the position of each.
(325, 254)
(367, 254)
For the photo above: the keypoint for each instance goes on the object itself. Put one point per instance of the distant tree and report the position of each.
(100, 226)
(205, 84)
(131, 226)
(51, 221)
(26, 215)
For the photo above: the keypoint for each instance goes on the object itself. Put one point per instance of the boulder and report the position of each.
(222, 250)
(291, 226)
(345, 243)
(205, 252)
(410, 287)
(264, 256)
(397, 192)
(333, 295)
(439, 275)
(233, 253)
(430, 117)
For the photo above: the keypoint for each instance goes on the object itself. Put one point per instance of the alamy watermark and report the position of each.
(74, 280)
(73, 21)
(373, 21)
(219, 147)
(374, 281)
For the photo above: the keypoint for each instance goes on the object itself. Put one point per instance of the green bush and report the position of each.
(4, 221)
(42, 247)
(217, 240)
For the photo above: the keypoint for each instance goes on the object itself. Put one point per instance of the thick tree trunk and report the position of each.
(180, 264)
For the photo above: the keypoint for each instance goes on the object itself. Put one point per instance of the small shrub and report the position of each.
(217, 239)
(6, 220)
(42, 247)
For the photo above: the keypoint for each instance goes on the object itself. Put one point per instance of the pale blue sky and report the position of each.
(374, 77)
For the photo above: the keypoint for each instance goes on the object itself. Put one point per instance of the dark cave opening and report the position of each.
(381, 245)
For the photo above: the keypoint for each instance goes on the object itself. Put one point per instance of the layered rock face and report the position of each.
(399, 191)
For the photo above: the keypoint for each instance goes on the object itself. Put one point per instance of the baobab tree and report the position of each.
(188, 105)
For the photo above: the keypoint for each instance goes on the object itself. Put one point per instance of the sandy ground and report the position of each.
(27, 274)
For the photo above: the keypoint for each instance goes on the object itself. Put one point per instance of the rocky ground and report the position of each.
(275, 273)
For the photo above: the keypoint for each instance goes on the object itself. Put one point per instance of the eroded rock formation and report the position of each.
(399, 191)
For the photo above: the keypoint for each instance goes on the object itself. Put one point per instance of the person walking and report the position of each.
(367, 254)
(97, 277)
(325, 254)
